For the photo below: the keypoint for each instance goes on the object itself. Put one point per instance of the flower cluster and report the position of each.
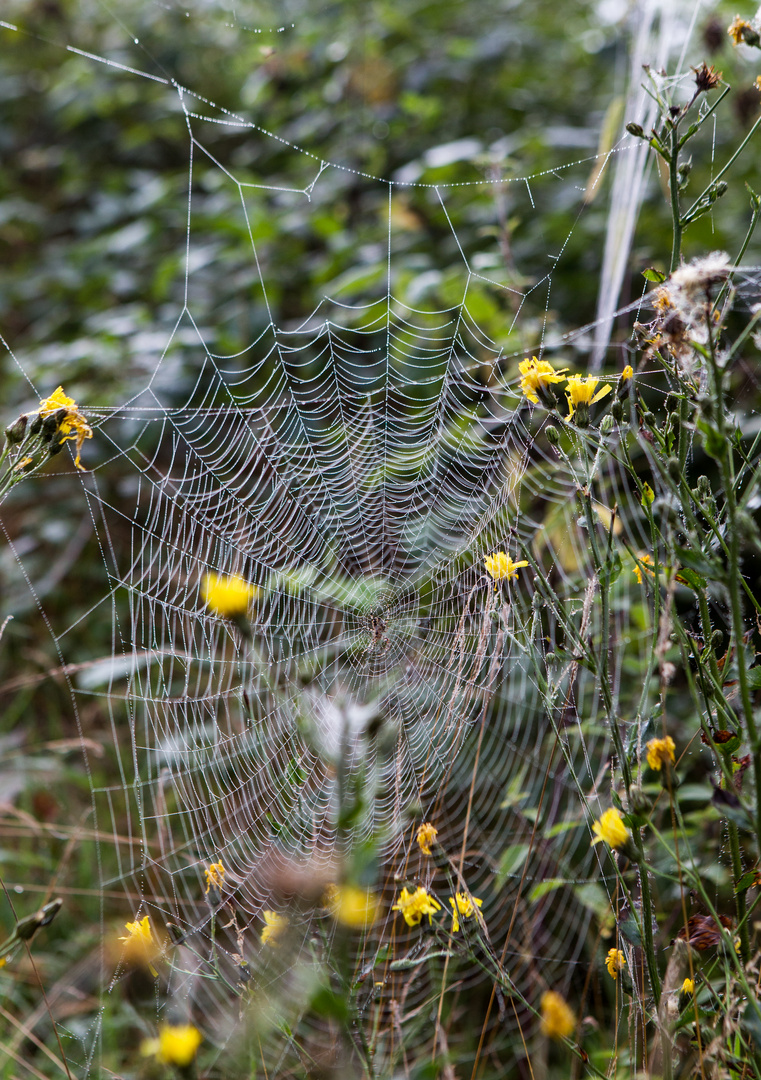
(537, 377)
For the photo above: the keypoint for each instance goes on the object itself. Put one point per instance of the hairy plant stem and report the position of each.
(734, 573)
(676, 220)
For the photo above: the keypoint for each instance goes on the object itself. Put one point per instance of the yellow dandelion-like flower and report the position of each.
(230, 596)
(535, 377)
(660, 752)
(177, 1044)
(688, 986)
(275, 926)
(73, 426)
(214, 874)
(140, 946)
(462, 907)
(500, 567)
(426, 835)
(611, 829)
(352, 906)
(739, 29)
(627, 373)
(414, 905)
(580, 392)
(558, 1021)
(646, 561)
(615, 962)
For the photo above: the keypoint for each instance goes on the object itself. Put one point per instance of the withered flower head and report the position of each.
(706, 78)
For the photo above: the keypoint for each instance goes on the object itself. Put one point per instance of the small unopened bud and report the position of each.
(617, 411)
(675, 469)
(552, 434)
(717, 638)
(648, 418)
(639, 802)
(55, 448)
(537, 602)
(36, 425)
(16, 431)
(636, 130)
(607, 424)
(704, 487)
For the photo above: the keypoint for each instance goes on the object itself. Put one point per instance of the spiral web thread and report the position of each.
(359, 465)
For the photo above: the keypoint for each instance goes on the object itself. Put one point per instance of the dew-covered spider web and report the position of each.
(354, 465)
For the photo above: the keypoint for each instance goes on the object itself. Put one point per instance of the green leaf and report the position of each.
(545, 887)
(629, 929)
(752, 1021)
(651, 274)
(688, 577)
(700, 563)
(746, 881)
(754, 677)
(511, 861)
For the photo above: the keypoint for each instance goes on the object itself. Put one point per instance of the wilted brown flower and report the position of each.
(706, 78)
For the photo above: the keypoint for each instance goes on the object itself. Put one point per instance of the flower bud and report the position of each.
(674, 469)
(636, 130)
(617, 411)
(552, 434)
(36, 425)
(607, 424)
(16, 431)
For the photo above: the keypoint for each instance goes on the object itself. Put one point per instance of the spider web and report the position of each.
(355, 466)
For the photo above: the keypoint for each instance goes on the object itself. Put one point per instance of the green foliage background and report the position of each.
(93, 215)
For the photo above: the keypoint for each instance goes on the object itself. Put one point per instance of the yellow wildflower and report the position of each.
(580, 392)
(646, 561)
(615, 961)
(757, 82)
(501, 567)
(227, 596)
(660, 752)
(413, 906)
(535, 376)
(462, 905)
(275, 927)
(627, 373)
(611, 828)
(73, 426)
(177, 1044)
(648, 495)
(688, 986)
(214, 874)
(426, 835)
(140, 946)
(558, 1021)
(741, 30)
(352, 906)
